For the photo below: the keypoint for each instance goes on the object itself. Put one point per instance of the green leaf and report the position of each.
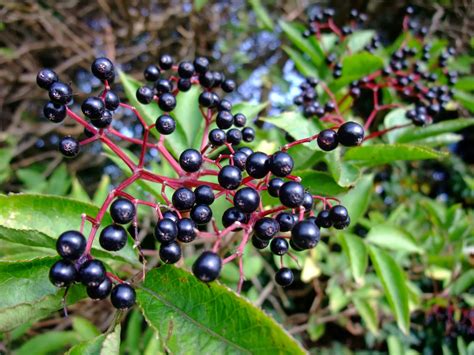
(78, 192)
(418, 133)
(104, 344)
(311, 47)
(463, 283)
(84, 328)
(47, 343)
(59, 182)
(394, 238)
(344, 173)
(262, 15)
(111, 343)
(133, 333)
(393, 280)
(465, 83)
(304, 66)
(249, 109)
(6, 154)
(356, 252)
(368, 314)
(357, 200)
(379, 154)
(38, 220)
(190, 314)
(355, 67)
(319, 183)
(102, 190)
(395, 118)
(357, 41)
(26, 293)
(465, 98)
(199, 4)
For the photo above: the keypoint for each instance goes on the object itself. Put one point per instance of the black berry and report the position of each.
(71, 245)
(165, 124)
(230, 177)
(323, 220)
(62, 273)
(258, 165)
(305, 234)
(93, 107)
(350, 134)
(166, 230)
(247, 199)
(103, 69)
(279, 246)
(123, 296)
(274, 186)
(190, 160)
(100, 292)
(145, 95)
(186, 232)
(266, 228)
(165, 61)
(281, 164)
(185, 70)
(113, 237)
(60, 93)
(284, 277)
(183, 199)
(327, 140)
(286, 221)
(167, 102)
(207, 266)
(45, 78)
(69, 147)
(122, 211)
(291, 194)
(170, 253)
(151, 73)
(54, 112)
(92, 273)
(201, 214)
(204, 195)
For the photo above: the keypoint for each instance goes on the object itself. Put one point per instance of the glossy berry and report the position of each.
(45, 78)
(247, 199)
(151, 73)
(224, 105)
(62, 273)
(240, 120)
(284, 277)
(206, 99)
(145, 95)
(279, 246)
(295, 247)
(185, 70)
(234, 136)
(257, 165)
(201, 64)
(100, 292)
(71, 245)
(266, 228)
(165, 124)
(123, 296)
(111, 100)
(92, 273)
(69, 147)
(113, 237)
(307, 202)
(170, 253)
(204, 195)
(286, 221)
(103, 121)
(228, 85)
(201, 214)
(165, 61)
(323, 220)
(281, 164)
(93, 107)
(274, 185)
(342, 224)
(217, 137)
(166, 230)
(163, 86)
(230, 177)
(248, 134)
(171, 215)
(292, 194)
(190, 160)
(327, 140)
(183, 199)
(184, 85)
(103, 69)
(259, 243)
(186, 230)
(60, 93)
(350, 134)
(122, 211)
(166, 102)
(338, 213)
(232, 215)
(207, 266)
(54, 112)
(224, 120)
(240, 158)
(305, 234)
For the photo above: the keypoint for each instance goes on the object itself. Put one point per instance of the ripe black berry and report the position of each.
(103, 69)
(228, 85)
(170, 253)
(100, 292)
(201, 214)
(122, 211)
(258, 165)
(190, 160)
(234, 136)
(338, 213)
(240, 158)
(217, 137)
(151, 73)
(171, 215)
(327, 140)
(60, 93)
(162, 86)
(185, 70)
(69, 147)
(183, 199)
(247, 199)
(145, 95)
(103, 121)
(165, 61)
(286, 221)
(224, 119)
(240, 120)
(166, 230)
(166, 102)
(62, 273)
(342, 224)
(186, 232)
(284, 277)
(92, 273)
(350, 134)
(184, 85)
(111, 100)
(93, 107)
(113, 237)
(230, 177)
(281, 164)
(206, 99)
(123, 296)
(204, 195)
(305, 234)
(54, 112)
(279, 246)
(207, 266)
(45, 78)
(274, 186)
(201, 64)
(224, 105)
(71, 245)
(259, 243)
(307, 202)
(323, 220)
(232, 215)
(291, 194)
(165, 124)
(248, 134)
(266, 228)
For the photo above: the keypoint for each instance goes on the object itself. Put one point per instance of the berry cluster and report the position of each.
(411, 74)
(220, 169)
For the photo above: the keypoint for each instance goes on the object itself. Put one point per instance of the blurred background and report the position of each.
(243, 39)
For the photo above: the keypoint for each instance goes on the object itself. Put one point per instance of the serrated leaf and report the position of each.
(26, 293)
(394, 238)
(379, 154)
(356, 252)
(189, 314)
(393, 280)
(311, 47)
(449, 126)
(319, 183)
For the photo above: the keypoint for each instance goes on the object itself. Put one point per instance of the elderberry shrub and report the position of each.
(216, 168)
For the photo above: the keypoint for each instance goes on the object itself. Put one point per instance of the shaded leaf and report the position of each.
(368, 314)
(393, 238)
(449, 126)
(49, 342)
(357, 199)
(294, 32)
(356, 252)
(319, 183)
